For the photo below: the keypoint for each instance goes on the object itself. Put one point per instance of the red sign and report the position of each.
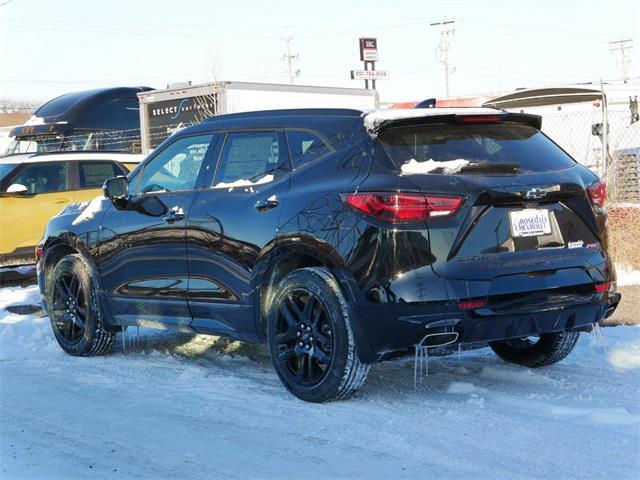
(369, 49)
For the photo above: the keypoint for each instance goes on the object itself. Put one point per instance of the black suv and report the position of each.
(340, 238)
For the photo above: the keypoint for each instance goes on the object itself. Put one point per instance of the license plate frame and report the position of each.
(530, 222)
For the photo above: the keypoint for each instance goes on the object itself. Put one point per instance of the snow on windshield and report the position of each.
(449, 167)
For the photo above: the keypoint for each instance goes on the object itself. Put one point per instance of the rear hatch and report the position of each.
(527, 221)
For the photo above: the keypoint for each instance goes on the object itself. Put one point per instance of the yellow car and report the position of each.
(35, 187)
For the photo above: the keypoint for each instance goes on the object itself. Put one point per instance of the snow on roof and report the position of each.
(375, 120)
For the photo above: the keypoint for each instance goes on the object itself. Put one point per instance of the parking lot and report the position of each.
(177, 405)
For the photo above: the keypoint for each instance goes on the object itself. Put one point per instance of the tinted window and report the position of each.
(508, 144)
(176, 167)
(43, 177)
(5, 169)
(305, 147)
(250, 157)
(93, 174)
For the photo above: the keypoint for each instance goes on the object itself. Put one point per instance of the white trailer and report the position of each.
(163, 112)
(573, 117)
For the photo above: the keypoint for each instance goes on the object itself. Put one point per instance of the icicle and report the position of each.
(599, 337)
(421, 356)
(421, 361)
(124, 339)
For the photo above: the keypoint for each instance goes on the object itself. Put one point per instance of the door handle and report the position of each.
(60, 200)
(266, 204)
(174, 215)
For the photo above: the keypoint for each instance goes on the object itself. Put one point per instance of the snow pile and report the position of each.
(89, 210)
(626, 275)
(10, 296)
(244, 183)
(626, 356)
(374, 121)
(449, 167)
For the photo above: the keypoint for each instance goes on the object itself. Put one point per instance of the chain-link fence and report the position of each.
(583, 133)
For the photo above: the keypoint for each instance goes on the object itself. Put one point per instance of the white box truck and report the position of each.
(162, 112)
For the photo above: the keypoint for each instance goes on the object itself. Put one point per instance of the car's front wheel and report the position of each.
(310, 338)
(538, 351)
(76, 317)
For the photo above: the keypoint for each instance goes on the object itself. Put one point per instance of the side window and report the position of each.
(250, 158)
(176, 167)
(305, 147)
(44, 177)
(93, 174)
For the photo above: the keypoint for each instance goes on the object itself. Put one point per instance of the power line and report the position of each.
(443, 48)
(621, 46)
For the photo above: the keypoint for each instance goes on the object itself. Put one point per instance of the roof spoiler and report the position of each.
(377, 124)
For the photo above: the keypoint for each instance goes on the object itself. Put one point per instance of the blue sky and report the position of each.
(49, 47)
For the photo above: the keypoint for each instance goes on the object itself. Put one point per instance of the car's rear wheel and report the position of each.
(539, 351)
(76, 317)
(310, 338)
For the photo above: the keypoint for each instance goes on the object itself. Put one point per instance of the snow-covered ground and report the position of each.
(627, 275)
(181, 406)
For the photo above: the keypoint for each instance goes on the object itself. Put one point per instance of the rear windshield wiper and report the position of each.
(490, 167)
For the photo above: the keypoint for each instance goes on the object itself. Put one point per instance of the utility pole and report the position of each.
(289, 57)
(621, 46)
(443, 47)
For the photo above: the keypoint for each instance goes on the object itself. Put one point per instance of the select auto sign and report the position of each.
(167, 116)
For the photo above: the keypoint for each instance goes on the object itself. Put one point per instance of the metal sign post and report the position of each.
(369, 55)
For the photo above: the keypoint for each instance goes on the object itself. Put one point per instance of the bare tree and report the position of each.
(18, 105)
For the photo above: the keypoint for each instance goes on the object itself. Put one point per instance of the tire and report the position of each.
(74, 311)
(310, 338)
(549, 348)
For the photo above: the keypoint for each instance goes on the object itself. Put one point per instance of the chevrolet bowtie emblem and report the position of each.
(535, 194)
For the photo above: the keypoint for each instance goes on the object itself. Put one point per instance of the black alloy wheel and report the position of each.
(75, 313)
(304, 337)
(311, 341)
(69, 309)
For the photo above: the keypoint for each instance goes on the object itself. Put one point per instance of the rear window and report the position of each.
(305, 146)
(472, 149)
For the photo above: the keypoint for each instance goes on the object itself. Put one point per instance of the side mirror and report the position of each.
(17, 189)
(116, 188)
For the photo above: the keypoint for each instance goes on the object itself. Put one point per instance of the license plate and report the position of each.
(530, 222)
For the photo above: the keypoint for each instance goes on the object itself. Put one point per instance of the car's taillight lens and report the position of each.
(472, 304)
(402, 207)
(602, 287)
(39, 251)
(481, 118)
(597, 192)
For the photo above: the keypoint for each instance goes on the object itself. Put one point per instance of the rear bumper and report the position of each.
(392, 328)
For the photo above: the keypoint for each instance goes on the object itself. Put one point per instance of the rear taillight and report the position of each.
(39, 251)
(402, 207)
(597, 192)
(603, 287)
